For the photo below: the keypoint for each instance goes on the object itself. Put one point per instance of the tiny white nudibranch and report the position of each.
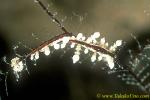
(46, 50)
(79, 36)
(102, 41)
(109, 60)
(36, 55)
(93, 58)
(56, 46)
(83, 38)
(112, 48)
(65, 40)
(86, 51)
(32, 57)
(115, 45)
(106, 44)
(72, 45)
(17, 65)
(100, 58)
(62, 45)
(75, 58)
(89, 40)
(96, 35)
(118, 43)
(78, 48)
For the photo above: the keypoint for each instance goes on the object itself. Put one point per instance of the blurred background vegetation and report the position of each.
(115, 19)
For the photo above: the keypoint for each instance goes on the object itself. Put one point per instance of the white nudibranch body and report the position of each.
(17, 65)
(100, 58)
(86, 51)
(115, 45)
(89, 40)
(102, 41)
(46, 50)
(62, 45)
(36, 55)
(72, 45)
(93, 58)
(110, 61)
(96, 35)
(56, 46)
(65, 40)
(79, 36)
(118, 43)
(75, 58)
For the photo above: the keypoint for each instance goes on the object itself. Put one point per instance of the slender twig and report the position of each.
(46, 43)
(52, 17)
(95, 47)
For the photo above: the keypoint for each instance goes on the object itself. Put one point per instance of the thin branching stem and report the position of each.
(54, 19)
(95, 47)
(66, 33)
(46, 43)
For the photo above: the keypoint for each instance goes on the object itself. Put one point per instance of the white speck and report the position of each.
(96, 35)
(94, 41)
(111, 64)
(83, 38)
(79, 36)
(32, 56)
(16, 64)
(75, 58)
(72, 45)
(65, 40)
(110, 61)
(93, 58)
(112, 48)
(46, 50)
(62, 45)
(56, 46)
(72, 38)
(118, 42)
(102, 41)
(86, 51)
(77, 53)
(54, 20)
(106, 44)
(89, 40)
(100, 58)
(78, 48)
(36, 55)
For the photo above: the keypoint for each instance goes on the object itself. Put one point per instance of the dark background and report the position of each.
(56, 77)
